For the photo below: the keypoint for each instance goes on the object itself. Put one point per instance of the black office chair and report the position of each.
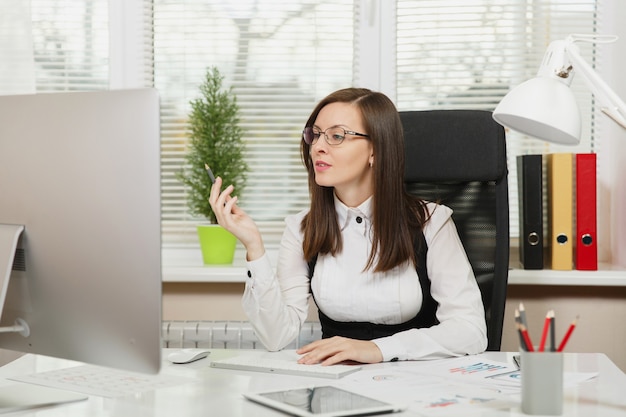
(458, 158)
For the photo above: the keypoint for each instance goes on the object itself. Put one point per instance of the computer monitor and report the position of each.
(80, 172)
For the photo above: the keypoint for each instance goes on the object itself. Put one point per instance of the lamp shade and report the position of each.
(542, 107)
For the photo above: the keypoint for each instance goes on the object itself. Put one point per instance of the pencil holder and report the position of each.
(542, 383)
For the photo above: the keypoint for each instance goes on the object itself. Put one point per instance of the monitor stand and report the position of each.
(22, 396)
(9, 237)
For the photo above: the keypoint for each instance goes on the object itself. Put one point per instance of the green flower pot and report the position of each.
(217, 244)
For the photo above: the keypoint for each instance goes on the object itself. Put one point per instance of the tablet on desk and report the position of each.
(324, 401)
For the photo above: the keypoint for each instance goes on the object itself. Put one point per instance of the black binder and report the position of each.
(530, 195)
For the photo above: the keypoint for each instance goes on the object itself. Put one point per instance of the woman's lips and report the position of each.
(321, 166)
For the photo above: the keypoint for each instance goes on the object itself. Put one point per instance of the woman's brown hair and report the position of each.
(397, 216)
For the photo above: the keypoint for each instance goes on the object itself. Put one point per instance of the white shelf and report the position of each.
(606, 275)
(237, 273)
(186, 266)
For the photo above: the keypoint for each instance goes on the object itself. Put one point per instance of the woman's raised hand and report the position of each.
(232, 218)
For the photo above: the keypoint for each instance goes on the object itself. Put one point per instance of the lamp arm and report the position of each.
(616, 109)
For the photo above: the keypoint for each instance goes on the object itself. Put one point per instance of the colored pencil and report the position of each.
(546, 328)
(522, 315)
(527, 342)
(552, 331)
(567, 335)
(519, 331)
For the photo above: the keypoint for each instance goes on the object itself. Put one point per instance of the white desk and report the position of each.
(217, 392)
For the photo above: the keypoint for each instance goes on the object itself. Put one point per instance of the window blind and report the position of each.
(70, 44)
(280, 58)
(469, 53)
(16, 51)
(72, 48)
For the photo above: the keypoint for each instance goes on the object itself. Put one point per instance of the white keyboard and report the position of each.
(283, 366)
(100, 381)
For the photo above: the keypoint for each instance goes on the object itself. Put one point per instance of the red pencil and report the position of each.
(546, 328)
(567, 335)
(527, 342)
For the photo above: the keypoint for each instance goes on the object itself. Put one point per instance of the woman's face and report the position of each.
(346, 167)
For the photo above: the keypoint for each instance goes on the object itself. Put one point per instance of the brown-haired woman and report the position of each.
(387, 271)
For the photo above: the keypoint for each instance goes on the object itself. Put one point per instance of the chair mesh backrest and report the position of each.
(458, 158)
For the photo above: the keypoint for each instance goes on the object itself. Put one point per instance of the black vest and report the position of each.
(367, 331)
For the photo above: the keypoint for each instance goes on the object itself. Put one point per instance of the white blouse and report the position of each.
(277, 304)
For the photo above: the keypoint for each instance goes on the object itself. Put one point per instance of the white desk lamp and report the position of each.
(545, 107)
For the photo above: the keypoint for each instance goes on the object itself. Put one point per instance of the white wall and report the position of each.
(612, 172)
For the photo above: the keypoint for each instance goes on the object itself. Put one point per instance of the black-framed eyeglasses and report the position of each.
(334, 135)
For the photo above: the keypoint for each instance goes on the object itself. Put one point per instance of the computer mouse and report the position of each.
(187, 355)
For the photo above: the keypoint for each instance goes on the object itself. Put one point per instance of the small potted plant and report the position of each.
(215, 139)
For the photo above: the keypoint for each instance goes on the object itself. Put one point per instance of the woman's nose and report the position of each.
(319, 146)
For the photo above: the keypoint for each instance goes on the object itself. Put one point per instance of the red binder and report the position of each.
(586, 222)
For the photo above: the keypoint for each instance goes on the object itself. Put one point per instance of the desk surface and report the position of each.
(204, 391)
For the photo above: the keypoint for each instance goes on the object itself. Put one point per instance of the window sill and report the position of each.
(225, 273)
(185, 265)
(218, 273)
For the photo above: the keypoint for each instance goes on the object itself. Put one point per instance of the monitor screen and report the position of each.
(80, 171)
